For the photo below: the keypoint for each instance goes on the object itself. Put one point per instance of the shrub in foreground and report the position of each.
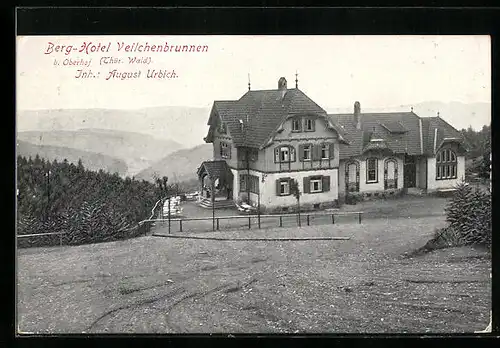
(469, 214)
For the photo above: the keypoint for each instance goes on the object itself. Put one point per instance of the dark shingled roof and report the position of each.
(390, 127)
(394, 127)
(261, 112)
(216, 170)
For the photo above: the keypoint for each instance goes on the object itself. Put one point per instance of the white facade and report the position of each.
(267, 188)
(433, 184)
(370, 187)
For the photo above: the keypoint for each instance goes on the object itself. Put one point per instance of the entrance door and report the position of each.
(410, 172)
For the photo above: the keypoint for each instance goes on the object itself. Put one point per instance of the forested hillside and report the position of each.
(478, 156)
(91, 160)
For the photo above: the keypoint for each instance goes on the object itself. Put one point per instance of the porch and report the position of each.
(216, 185)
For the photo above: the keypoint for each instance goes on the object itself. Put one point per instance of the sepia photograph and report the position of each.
(185, 184)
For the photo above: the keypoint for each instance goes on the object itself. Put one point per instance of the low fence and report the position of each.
(60, 234)
(217, 223)
(61, 238)
(247, 221)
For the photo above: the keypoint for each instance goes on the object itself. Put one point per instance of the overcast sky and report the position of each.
(334, 71)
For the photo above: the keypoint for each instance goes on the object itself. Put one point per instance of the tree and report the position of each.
(295, 191)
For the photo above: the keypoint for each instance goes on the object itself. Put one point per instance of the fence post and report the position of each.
(60, 239)
(333, 219)
(307, 219)
(281, 221)
(249, 222)
(359, 217)
(217, 224)
(180, 225)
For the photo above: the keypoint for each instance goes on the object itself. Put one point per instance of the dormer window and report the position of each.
(309, 126)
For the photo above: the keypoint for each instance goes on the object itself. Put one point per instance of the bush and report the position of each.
(447, 237)
(469, 213)
(353, 198)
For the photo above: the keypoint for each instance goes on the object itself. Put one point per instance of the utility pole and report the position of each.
(47, 209)
(167, 192)
(258, 202)
(212, 189)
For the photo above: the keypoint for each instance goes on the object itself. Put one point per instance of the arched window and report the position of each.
(390, 174)
(352, 176)
(446, 165)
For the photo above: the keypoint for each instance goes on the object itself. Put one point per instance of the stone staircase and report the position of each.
(218, 204)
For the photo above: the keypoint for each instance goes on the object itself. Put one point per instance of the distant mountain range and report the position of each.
(90, 160)
(180, 165)
(167, 140)
(184, 125)
(137, 150)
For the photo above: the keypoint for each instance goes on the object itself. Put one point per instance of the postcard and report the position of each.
(253, 184)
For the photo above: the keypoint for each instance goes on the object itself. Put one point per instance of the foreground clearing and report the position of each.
(163, 285)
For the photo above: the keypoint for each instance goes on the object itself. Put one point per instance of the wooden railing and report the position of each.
(44, 234)
(145, 225)
(216, 220)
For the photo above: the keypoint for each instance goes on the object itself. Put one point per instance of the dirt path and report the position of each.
(161, 285)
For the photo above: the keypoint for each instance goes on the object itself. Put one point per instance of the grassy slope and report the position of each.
(155, 284)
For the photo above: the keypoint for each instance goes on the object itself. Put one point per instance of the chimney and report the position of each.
(357, 115)
(282, 86)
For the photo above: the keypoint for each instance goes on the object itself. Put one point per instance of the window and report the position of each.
(284, 154)
(352, 176)
(249, 183)
(390, 174)
(446, 165)
(283, 187)
(253, 154)
(315, 185)
(296, 125)
(371, 170)
(225, 150)
(309, 125)
(325, 151)
(222, 128)
(306, 152)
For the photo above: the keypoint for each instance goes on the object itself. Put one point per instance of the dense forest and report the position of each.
(88, 206)
(478, 156)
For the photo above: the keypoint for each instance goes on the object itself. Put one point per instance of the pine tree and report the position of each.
(469, 212)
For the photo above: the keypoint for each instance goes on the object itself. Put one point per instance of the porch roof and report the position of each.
(215, 170)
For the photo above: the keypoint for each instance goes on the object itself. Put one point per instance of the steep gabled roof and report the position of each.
(216, 170)
(400, 132)
(377, 123)
(445, 132)
(261, 113)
